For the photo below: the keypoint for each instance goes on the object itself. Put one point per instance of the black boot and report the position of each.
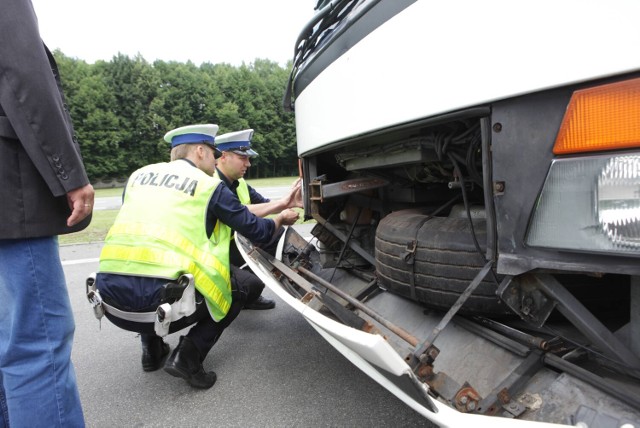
(185, 362)
(154, 349)
(260, 303)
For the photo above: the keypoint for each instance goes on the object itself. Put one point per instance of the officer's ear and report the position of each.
(201, 150)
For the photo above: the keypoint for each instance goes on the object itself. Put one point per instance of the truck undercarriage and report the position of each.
(406, 245)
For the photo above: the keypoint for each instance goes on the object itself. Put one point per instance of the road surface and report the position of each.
(273, 370)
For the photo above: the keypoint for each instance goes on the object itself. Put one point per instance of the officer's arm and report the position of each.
(226, 207)
(267, 208)
(256, 197)
(292, 200)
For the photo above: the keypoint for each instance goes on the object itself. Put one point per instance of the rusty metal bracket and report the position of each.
(320, 192)
(526, 299)
(463, 397)
(467, 399)
(513, 409)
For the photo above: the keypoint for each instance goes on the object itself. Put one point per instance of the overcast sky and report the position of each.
(215, 31)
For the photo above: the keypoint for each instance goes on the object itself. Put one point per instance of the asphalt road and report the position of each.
(273, 370)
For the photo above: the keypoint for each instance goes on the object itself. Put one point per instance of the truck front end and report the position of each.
(473, 170)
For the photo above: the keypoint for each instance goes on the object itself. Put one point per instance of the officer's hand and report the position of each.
(294, 198)
(297, 198)
(288, 217)
(296, 184)
(297, 194)
(81, 204)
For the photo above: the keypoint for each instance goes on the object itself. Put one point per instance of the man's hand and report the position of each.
(287, 217)
(294, 198)
(81, 204)
(297, 197)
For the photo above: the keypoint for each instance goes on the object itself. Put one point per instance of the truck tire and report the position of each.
(441, 267)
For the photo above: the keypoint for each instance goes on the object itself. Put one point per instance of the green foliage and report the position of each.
(121, 110)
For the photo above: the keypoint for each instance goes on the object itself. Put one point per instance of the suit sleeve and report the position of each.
(32, 100)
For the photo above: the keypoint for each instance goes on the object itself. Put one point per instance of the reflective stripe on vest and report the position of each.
(160, 232)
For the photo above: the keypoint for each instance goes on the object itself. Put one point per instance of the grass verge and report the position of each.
(101, 222)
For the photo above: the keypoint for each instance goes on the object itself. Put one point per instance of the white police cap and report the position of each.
(238, 142)
(192, 134)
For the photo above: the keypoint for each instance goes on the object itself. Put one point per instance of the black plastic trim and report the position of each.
(366, 20)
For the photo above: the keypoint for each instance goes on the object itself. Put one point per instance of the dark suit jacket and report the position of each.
(39, 155)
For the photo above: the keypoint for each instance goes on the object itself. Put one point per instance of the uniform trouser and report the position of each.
(270, 247)
(37, 380)
(235, 258)
(205, 331)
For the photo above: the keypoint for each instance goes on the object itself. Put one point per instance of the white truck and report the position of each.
(473, 170)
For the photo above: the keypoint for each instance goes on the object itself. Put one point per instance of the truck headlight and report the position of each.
(589, 204)
(618, 201)
(592, 203)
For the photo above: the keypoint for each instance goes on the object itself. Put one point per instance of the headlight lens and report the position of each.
(590, 204)
(618, 203)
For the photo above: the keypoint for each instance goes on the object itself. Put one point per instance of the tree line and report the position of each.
(122, 108)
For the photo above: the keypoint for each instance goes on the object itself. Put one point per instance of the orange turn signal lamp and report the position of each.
(601, 118)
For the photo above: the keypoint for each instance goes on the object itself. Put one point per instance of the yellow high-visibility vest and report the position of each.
(160, 232)
(243, 192)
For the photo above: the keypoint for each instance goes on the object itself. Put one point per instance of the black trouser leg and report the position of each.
(249, 282)
(270, 247)
(206, 332)
(253, 284)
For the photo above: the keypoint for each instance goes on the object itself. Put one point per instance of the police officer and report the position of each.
(176, 218)
(231, 168)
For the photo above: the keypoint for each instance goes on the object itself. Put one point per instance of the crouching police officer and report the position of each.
(173, 234)
(231, 169)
